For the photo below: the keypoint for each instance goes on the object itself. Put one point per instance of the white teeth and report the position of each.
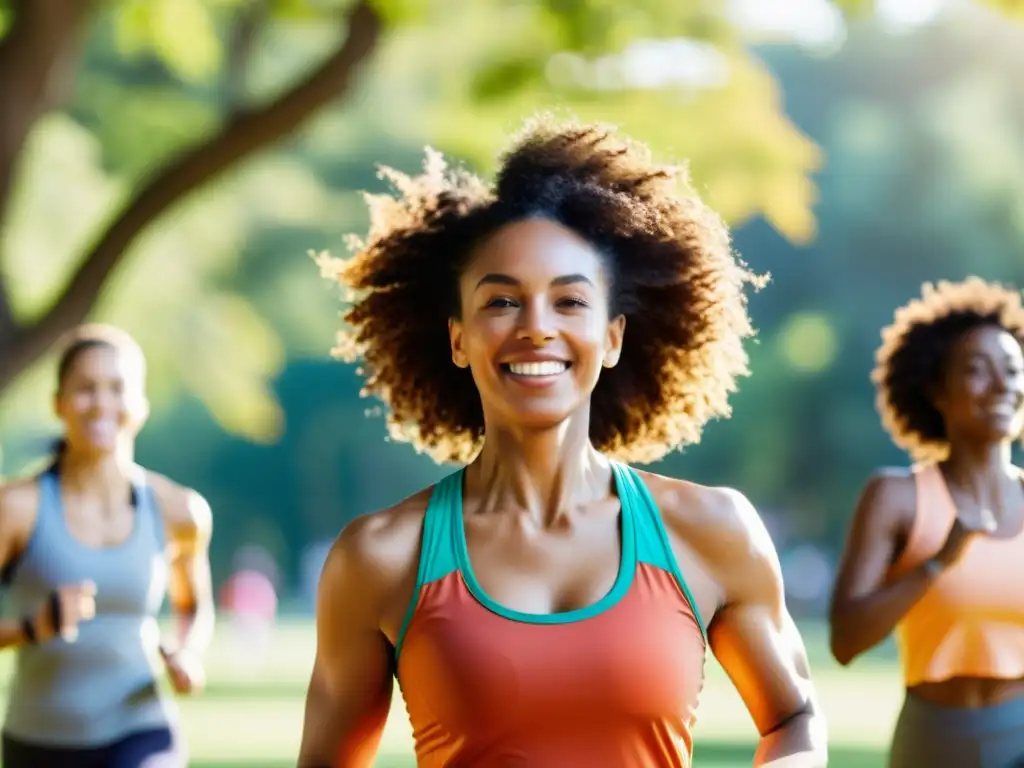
(546, 368)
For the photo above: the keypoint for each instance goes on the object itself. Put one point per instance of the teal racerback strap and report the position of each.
(652, 542)
(437, 549)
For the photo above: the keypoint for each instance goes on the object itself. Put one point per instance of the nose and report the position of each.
(103, 402)
(536, 324)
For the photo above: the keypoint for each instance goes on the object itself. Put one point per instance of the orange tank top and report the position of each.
(970, 622)
(614, 684)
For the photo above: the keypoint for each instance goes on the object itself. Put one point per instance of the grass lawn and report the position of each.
(253, 719)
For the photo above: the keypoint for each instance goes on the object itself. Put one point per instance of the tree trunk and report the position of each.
(244, 133)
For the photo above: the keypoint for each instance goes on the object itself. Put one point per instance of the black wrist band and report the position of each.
(55, 612)
(29, 630)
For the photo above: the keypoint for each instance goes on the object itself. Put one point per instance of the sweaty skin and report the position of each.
(370, 573)
(541, 523)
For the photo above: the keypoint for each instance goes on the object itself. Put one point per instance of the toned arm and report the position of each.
(189, 525)
(865, 608)
(730, 562)
(757, 643)
(362, 588)
(18, 502)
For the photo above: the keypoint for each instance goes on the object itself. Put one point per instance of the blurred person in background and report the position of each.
(249, 599)
(547, 604)
(89, 548)
(936, 552)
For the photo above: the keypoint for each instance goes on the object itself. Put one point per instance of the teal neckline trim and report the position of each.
(623, 581)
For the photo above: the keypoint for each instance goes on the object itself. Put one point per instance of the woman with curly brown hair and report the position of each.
(547, 605)
(936, 553)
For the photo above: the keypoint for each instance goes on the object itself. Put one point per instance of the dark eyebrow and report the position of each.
(570, 279)
(496, 278)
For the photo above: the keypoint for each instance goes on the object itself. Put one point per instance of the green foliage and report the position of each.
(855, 8)
(181, 33)
(218, 290)
(1011, 8)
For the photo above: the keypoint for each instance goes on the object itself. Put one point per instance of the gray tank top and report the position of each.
(101, 687)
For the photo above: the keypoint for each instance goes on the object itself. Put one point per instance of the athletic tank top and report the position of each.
(612, 684)
(102, 686)
(970, 622)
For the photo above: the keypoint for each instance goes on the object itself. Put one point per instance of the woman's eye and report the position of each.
(572, 302)
(501, 302)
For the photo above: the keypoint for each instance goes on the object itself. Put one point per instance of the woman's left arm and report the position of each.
(757, 643)
(189, 526)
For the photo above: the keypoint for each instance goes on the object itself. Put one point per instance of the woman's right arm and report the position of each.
(349, 694)
(865, 608)
(17, 516)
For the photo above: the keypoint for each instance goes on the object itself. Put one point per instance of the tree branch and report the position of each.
(38, 57)
(241, 44)
(240, 136)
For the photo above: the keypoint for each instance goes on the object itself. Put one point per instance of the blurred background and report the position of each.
(167, 165)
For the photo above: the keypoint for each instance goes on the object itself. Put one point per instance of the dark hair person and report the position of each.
(89, 548)
(548, 604)
(936, 552)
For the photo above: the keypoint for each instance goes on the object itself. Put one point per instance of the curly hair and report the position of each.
(673, 275)
(911, 361)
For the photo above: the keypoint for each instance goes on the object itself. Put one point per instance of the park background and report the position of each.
(168, 165)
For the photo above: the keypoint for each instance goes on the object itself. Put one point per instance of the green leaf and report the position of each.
(855, 9)
(397, 12)
(184, 37)
(181, 33)
(503, 76)
(1011, 8)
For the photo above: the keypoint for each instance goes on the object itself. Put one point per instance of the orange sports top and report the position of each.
(614, 684)
(970, 622)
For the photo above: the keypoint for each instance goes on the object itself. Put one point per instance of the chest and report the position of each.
(979, 583)
(99, 528)
(545, 571)
(1005, 513)
(130, 578)
(464, 668)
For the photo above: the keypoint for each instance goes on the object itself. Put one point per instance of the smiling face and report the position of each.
(534, 328)
(101, 398)
(982, 394)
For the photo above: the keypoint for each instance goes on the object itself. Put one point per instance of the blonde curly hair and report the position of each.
(674, 276)
(911, 360)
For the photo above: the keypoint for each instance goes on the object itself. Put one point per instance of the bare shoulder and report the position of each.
(380, 548)
(718, 522)
(185, 511)
(722, 528)
(19, 505)
(888, 499)
(19, 498)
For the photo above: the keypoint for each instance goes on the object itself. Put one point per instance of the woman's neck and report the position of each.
(545, 473)
(104, 475)
(980, 469)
